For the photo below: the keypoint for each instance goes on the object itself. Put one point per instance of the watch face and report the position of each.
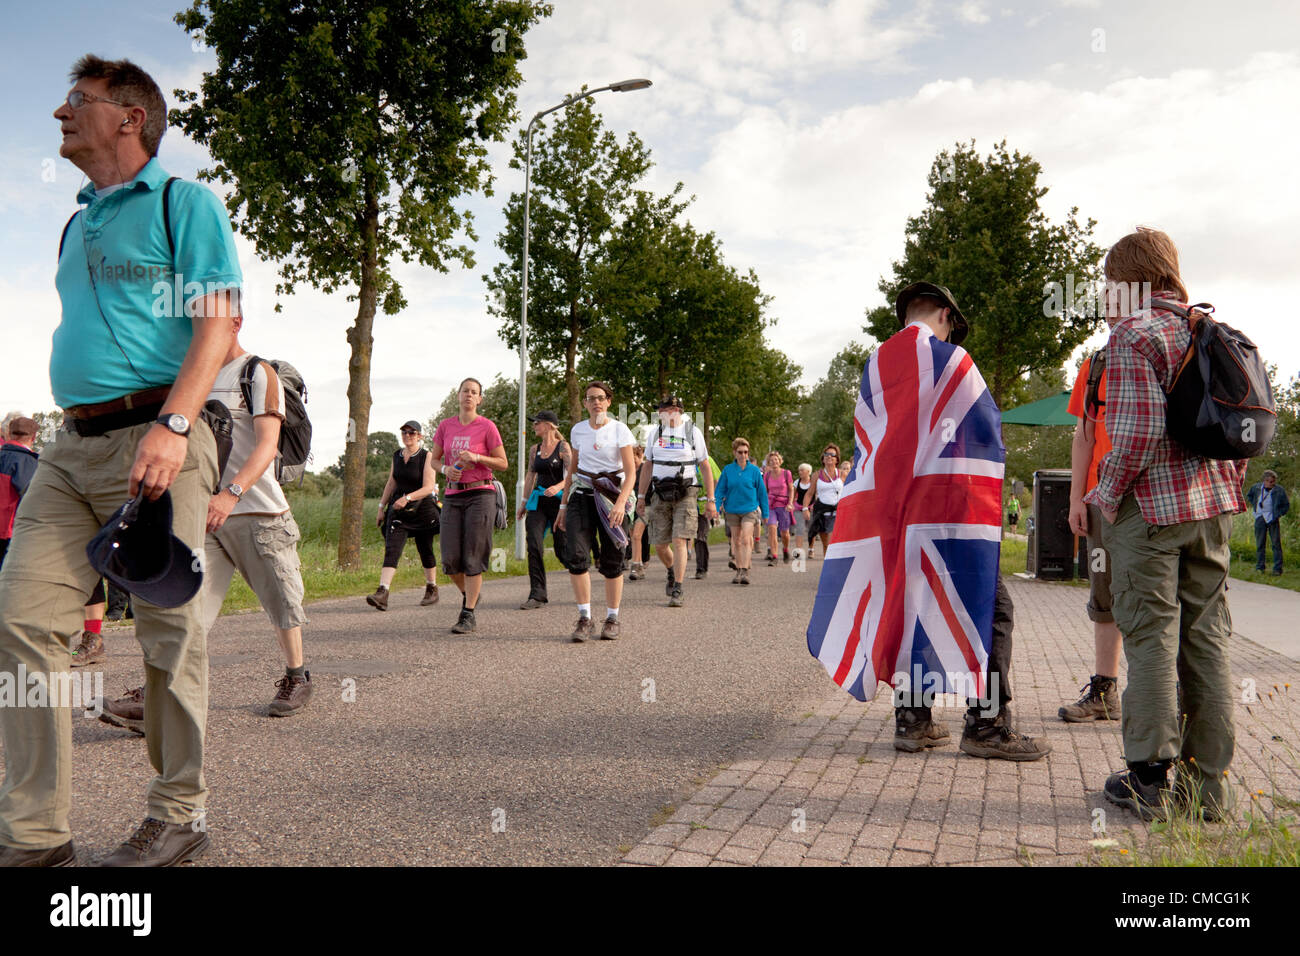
(178, 423)
(236, 490)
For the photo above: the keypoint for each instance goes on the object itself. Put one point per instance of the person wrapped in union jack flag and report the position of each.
(910, 592)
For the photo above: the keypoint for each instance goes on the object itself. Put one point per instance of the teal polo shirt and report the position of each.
(126, 324)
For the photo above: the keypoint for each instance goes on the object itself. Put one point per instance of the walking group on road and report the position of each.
(165, 480)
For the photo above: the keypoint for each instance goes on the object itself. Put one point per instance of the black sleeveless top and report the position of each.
(550, 471)
(408, 476)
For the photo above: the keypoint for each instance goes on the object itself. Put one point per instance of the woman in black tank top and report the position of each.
(548, 461)
(408, 506)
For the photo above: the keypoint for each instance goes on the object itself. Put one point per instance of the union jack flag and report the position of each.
(908, 582)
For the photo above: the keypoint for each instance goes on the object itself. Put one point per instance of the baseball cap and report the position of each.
(137, 551)
(546, 415)
(414, 426)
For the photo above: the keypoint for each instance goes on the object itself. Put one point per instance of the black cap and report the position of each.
(917, 290)
(137, 551)
(671, 401)
(546, 415)
(414, 426)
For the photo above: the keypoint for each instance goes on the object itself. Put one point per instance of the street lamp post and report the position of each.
(623, 86)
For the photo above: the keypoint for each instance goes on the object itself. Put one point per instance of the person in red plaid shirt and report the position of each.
(1167, 519)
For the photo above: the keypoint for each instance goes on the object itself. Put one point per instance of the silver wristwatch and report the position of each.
(235, 490)
(175, 423)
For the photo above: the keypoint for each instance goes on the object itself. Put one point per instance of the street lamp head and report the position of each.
(626, 86)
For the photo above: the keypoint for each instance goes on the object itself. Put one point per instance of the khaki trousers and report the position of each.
(1169, 598)
(45, 580)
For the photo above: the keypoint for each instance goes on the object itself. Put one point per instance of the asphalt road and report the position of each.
(507, 746)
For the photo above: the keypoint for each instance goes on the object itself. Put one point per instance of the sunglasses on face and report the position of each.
(406, 431)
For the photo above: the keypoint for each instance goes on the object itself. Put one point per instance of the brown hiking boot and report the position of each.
(63, 855)
(584, 631)
(914, 730)
(90, 650)
(126, 712)
(993, 738)
(736, 578)
(156, 843)
(744, 576)
(430, 595)
(1100, 701)
(292, 695)
(379, 600)
(610, 630)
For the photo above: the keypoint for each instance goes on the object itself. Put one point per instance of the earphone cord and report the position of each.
(90, 270)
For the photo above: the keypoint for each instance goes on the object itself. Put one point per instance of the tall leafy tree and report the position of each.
(584, 181)
(985, 237)
(825, 415)
(347, 131)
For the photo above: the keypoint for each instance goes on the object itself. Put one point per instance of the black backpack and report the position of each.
(295, 430)
(1092, 403)
(1220, 404)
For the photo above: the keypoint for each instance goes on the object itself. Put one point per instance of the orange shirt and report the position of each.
(1077, 398)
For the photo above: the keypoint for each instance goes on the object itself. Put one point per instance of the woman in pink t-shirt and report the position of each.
(780, 506)
(470, 449)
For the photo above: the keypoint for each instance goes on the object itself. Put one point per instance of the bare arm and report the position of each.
(266, 428)
(569, 472)
(529, 484)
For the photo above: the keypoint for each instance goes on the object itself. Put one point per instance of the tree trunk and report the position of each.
(570, 367)
(361, 339)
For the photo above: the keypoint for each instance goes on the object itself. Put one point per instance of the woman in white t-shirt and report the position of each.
(824, 497)
(602, 456)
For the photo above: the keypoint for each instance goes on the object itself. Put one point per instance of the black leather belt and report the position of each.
(102, 424)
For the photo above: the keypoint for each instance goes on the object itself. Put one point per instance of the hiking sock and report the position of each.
(94, 627)
(611, 612)
(584, 610)
(299, 671)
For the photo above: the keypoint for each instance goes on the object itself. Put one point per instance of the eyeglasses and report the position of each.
(597, 398)
(79, 98)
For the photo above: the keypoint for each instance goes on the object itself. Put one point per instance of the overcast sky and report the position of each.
(804, 130)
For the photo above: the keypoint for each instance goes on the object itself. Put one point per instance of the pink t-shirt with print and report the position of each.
(479, 436)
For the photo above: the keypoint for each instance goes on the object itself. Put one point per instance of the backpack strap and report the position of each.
(1096, 369)
(63, 237)
(167, 217)
(246, 381)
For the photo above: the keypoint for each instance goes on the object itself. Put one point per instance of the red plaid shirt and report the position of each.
(1170, 484)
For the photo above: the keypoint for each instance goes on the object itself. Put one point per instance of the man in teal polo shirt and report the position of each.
(147, 305)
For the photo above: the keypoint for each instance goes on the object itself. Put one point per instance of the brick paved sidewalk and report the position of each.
(830, 789)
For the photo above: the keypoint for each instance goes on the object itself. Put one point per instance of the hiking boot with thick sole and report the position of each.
(156, 843)
(465, 624)
(993, 738)
(531, 604)
(744, 576)
(1100, 701)
(636, 572)
(62, 855)
(675, 598)
(1150, 801)
(430, 595)
(90, 650)
(668, 585)
(701, 575)
(379, 600)
(291, 695)
(610, 630)
(126, 712)
(584, 631)
(914, 730)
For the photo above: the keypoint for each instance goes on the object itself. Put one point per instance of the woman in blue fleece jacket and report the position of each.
(742, 497)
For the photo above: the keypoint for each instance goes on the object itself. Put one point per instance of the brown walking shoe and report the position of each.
(583, 632)
(292, 695)
(1100, 701)
(610, 630)
(993, 738)
(62, 855)
(90, 650)
(379, 600)
(126, 712)
(915, 730)
(156, 843)
(430, 595)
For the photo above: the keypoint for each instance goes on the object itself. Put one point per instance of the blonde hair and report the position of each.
(804, 466)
